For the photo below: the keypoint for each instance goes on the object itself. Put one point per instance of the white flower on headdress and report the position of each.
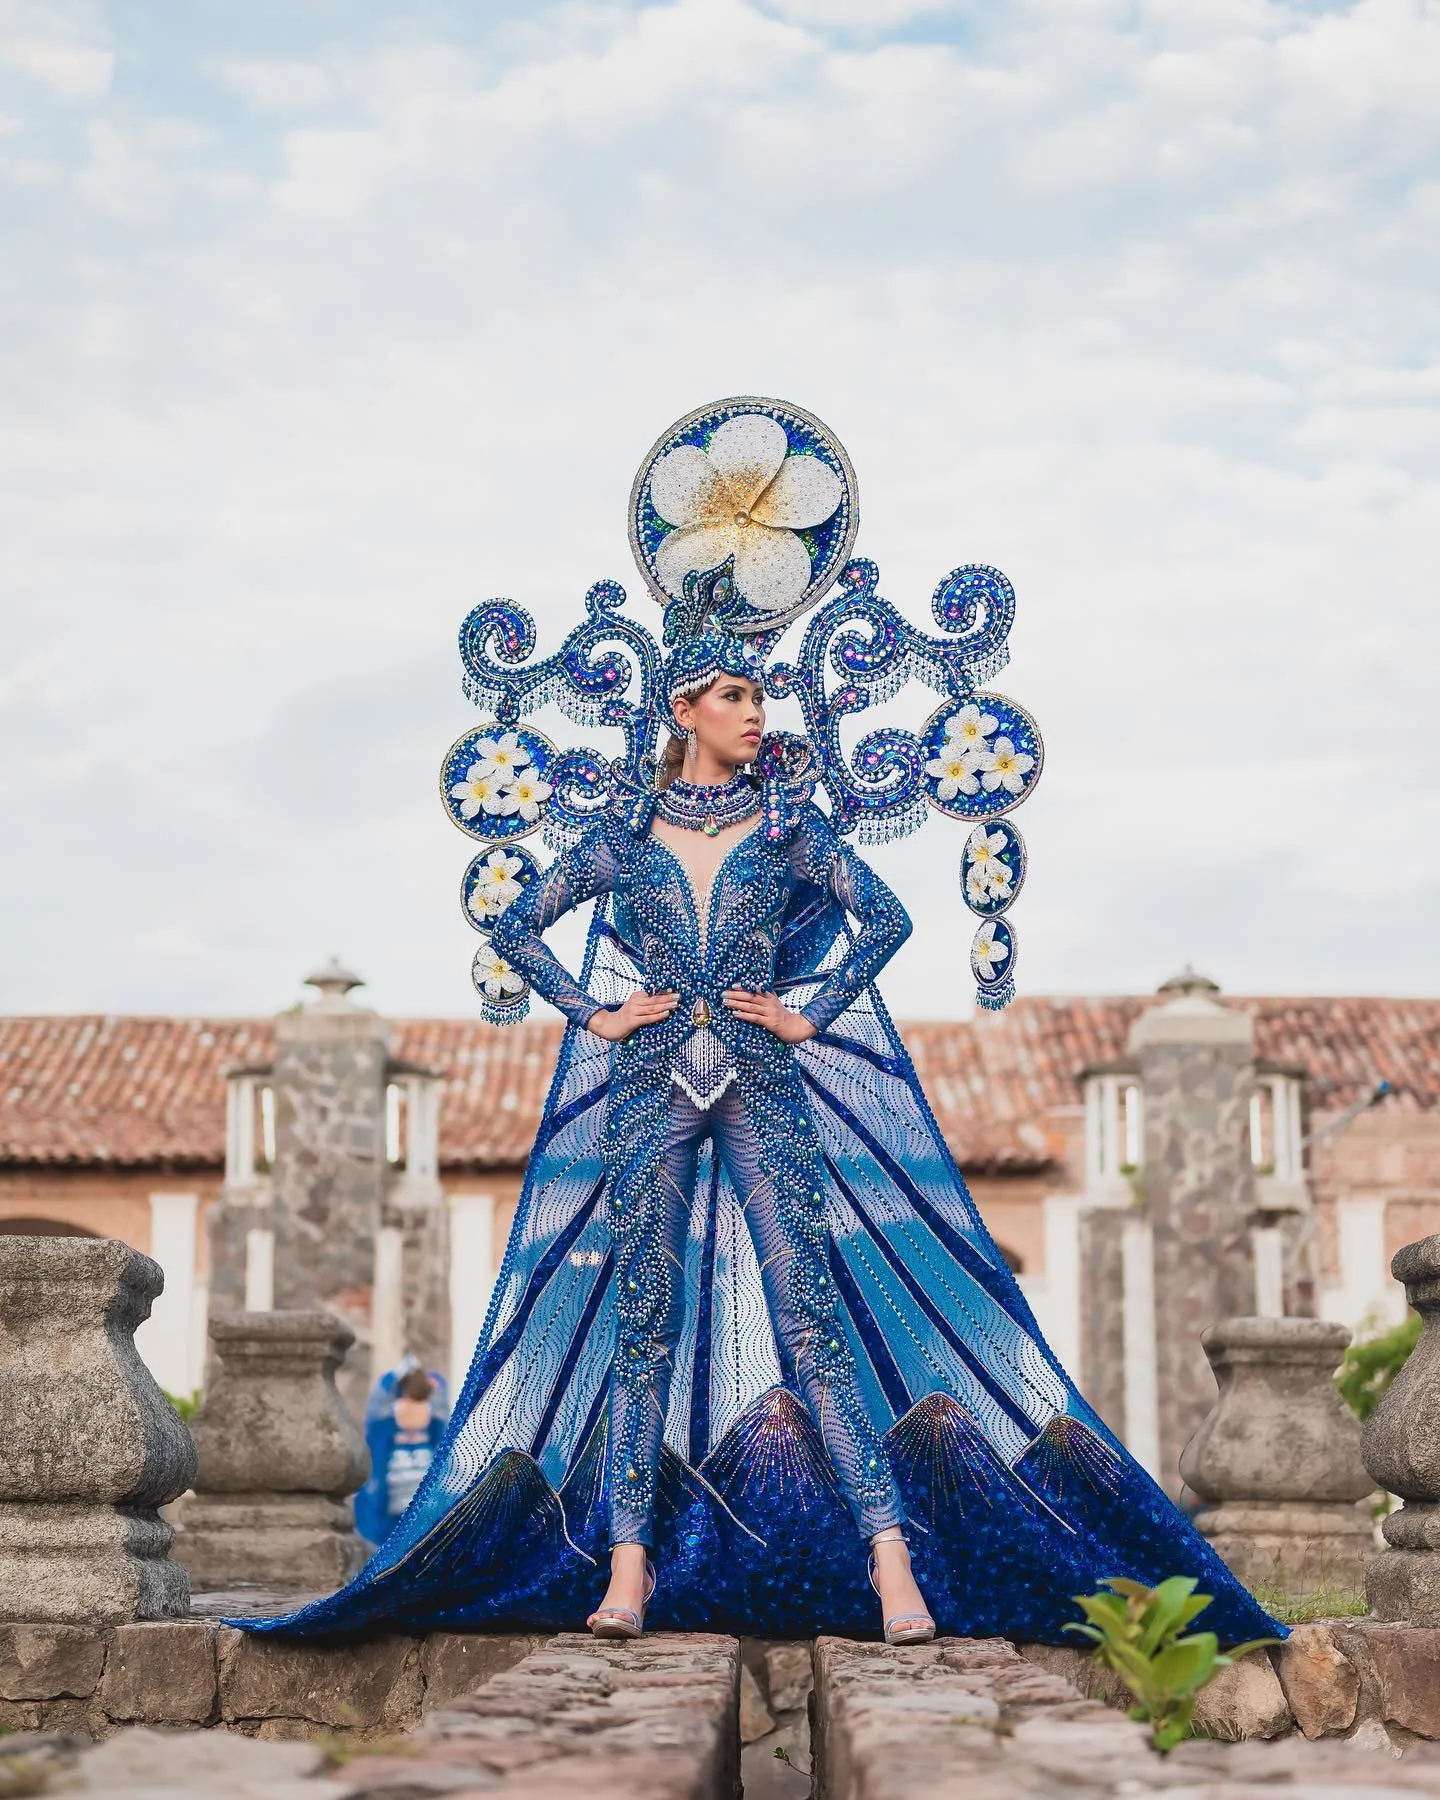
(502, 757)
(983, 845)
(495, 884)
(479, 791)
(969, 728)
(1006, 767)
(988, 951)
(495, 977)
(745, 497)
(987, 881)
(954, 773)
(526, 795)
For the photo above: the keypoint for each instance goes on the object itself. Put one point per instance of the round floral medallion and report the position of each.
(992, 957)
(494, 880)
(982, 757)
(503, 990)
(496, 782)
(992, 867)
(756, 480)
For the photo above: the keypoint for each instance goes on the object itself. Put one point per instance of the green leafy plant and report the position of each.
(185, 1404)
(1139, 1632)
(1369, 1366)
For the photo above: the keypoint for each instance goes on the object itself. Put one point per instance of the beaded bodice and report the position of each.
(698, 946)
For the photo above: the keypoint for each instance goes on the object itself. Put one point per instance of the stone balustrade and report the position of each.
(92, 1448)
(279, 1457)
(1401, 1447)
(1277, 1460)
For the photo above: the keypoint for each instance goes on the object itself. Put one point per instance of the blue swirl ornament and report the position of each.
(493, 881)
(992, 868)
(496, 782)
(992, 963)
(981, 758)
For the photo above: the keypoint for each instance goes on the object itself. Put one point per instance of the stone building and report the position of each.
(1139, 1161)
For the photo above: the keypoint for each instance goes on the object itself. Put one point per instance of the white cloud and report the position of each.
(1136, 303)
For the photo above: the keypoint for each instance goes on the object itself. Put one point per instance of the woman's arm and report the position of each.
(578, 876)
(821, 858)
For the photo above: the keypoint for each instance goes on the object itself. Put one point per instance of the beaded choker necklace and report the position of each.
(708, 809)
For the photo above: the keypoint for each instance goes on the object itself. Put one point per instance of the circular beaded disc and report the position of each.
(992, 867)
(494, 981)
(982, 757)
(992, 955)
(495, 782)
(758, 480)
(494, 880)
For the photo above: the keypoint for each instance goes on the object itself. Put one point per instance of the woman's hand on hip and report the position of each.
(769, 1011)
(615, 1023)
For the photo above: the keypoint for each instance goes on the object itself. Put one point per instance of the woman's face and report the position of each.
(728, 719)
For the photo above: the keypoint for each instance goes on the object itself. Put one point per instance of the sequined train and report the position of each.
(1016, 1495)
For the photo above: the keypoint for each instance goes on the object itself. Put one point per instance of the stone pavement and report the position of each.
(567, 1718)
(969, 1719)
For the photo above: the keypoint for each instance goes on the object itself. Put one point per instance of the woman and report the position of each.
(711, 893)
(748, 1310)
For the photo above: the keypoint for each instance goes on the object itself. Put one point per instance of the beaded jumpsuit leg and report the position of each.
(650, 1276)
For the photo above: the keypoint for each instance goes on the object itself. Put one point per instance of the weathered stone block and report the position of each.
(791, 1677)
(1406, 1662)
(92, 1447)
(1320, 1682)
(455, 1662)
(358, 1685)
(308, 1540)
(42, 1662)
(756, 1720)
(163, 1673)
(278, 1455)
(1278, 1457)
(1243, 1701)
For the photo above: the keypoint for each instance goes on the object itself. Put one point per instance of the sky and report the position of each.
(321, 323)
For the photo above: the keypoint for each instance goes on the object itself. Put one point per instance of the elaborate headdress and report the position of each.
(742, 517)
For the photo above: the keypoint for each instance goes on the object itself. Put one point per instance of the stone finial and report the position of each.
(92, 1448)
(333, 984)
(279, 1456)
(1401, 1447)
(1278, 1458)
(1188, 1013)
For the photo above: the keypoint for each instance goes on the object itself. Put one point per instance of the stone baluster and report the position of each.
(279, 1457)
(1402, 1452)
(92, 1448)
(1278, 1458)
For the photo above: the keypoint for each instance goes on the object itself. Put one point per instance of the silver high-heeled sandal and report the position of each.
(621, 1621)
(902, 1628)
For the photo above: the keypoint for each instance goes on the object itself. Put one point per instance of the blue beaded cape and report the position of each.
(1018, 1496)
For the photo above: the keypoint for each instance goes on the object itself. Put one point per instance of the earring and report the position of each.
(691, 747)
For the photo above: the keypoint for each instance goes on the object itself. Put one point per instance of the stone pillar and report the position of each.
(1401, 1446)
(1197, 1069)
(91, 1447)
(279, 1457)
(1278, 1458)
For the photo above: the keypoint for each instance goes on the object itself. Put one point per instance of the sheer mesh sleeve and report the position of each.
(578, 876)
(819, 857)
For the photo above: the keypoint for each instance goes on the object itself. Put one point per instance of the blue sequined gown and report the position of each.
(749, 1313)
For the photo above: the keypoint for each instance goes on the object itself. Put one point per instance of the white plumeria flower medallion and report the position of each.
(503, 990)
(992, 962)
(756, 480)
(992, 867)
(980, 759)
(493, 881)
(495, 781)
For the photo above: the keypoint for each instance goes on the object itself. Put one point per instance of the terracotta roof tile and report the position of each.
(149, 1092)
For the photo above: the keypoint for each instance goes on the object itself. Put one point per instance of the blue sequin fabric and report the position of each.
(860, 1351)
